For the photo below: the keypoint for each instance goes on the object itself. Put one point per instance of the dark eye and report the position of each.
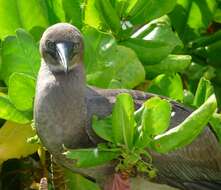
(50, 45)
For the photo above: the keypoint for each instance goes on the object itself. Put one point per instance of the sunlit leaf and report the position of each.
(109, 65)
(103, 128)
(21, 91)
(204, 91)
(20, 14)
(9, 112)
(13, 141)
(148, 51)
(73, 12)
(171, 64)
(91, 156)
(187, 131)
(192, 17)
(155, 120)
(167, 85)
(123, 122)
(19, 54)
(141, 11)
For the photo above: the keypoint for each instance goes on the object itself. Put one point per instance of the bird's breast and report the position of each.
(60, 110)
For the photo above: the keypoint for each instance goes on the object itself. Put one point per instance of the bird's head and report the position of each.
(61, 47)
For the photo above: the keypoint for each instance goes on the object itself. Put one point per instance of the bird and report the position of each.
(64, 106)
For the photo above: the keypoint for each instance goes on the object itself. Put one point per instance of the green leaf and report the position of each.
(138, 114)
(192, 17)
(78, 182)
(20, 13)
(21, 91)
(215, 122)
(211, 53)
(148, 51)
(103, 128)
(217, 16)
(73, 12)
(108, 15)
(91, 15)
(155, 120)
(19, 54)
(91, 157)
(171, 64)
(120, 6)
(13, 141)
(159, 30)
(109, 65)
(203, 92)
(205, 40)
(188, 98)
(9, 112)
(55, 11)
(195, 71)
(123, 122)
(156, 116)
(187, 131)
(167, 85)
(142, 11)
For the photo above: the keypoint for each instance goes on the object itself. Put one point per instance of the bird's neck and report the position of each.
(76, 76)
(65, 94)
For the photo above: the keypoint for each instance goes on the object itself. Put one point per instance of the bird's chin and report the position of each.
(60, 68)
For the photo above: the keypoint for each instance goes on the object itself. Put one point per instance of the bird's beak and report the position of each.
(63, 52)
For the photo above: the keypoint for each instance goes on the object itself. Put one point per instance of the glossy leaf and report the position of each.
(148, 51)
(167, 85)
(108, 15)
(9, 112)
(16, 14)
(187, 131)
(54, 10)
(203, 92)
(156, 116)
(19, 54)
(109, 65)
(91, 157)
(22, 91)
(211, 53)
(155, 120)
(188, 98)
(159, 30)
(171, 64)
(191, 17)
(91, 15)
(123, 122)
(13, 141)
(141, 11)
(103, 128)
(73, 12)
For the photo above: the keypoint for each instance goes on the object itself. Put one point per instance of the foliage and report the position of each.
(170, 48)
(130, 137)
(13, 141)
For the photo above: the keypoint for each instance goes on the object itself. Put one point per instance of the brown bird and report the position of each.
(64, 107)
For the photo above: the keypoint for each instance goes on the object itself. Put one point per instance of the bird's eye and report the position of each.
(50, 45)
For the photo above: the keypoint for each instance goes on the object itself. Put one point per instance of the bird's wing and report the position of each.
(197, 162)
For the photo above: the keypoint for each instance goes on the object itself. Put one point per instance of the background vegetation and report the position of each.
(164, 47)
